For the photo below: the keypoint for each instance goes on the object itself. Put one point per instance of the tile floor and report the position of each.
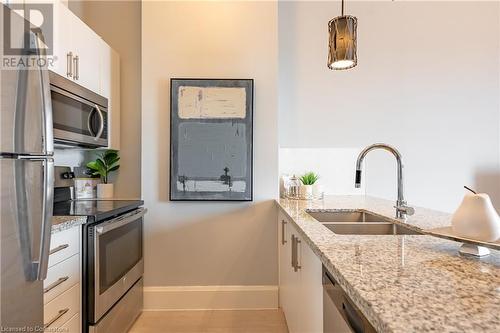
(211, 321)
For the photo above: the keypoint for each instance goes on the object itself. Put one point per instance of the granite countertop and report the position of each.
(404, 283)
(61, 223)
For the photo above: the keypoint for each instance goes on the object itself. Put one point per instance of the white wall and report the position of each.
(427, 82)
(212, 243)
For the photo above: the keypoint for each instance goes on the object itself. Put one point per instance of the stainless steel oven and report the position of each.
(114, 265)
(80, 116)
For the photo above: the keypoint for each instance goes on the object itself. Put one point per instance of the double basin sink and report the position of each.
(360, 223)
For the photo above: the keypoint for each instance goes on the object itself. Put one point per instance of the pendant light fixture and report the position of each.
(342, 42)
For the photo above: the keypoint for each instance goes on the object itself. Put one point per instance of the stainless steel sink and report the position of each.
(360, 223)
(376, 228)
(341, 216)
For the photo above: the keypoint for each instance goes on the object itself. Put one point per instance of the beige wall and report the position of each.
(212, 243)
(427, 82)
(119, 24)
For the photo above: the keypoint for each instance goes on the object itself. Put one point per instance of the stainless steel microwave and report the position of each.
(80, 116)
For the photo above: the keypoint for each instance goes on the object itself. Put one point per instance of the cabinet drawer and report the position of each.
(62, 308)
(72, 326)
(63, 245)
(61, 277)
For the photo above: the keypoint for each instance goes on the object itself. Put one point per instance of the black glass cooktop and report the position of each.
(96, 210)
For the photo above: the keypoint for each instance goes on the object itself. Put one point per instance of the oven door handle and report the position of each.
(120, 221)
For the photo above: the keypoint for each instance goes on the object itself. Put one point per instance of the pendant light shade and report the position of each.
(342, 42)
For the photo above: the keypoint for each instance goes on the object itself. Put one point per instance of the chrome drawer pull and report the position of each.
(69, 64)
(59, 248)
(283, 239)
(56, 317)
(55, 284)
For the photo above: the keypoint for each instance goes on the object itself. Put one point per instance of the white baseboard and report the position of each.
(210, 298)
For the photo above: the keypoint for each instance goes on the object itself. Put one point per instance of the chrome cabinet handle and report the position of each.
(76, 64)
(55, 318)
(59, 248)
(69, 64)
(101, 126)
(283, 238)
(297, 265)
(55, 284)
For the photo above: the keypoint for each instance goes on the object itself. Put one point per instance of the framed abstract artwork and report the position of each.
(211, 140)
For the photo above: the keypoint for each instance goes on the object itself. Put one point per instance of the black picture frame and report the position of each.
(246, 123)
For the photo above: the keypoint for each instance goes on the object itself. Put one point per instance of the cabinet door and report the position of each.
(110, 88)
(62, 62)
(291, 306)
(301, 290)
(86, 46)
(284, 244)
(311, 290)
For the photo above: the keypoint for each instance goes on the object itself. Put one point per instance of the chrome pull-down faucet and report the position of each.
(402, 209)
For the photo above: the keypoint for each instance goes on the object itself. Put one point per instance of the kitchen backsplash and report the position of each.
(335, 166)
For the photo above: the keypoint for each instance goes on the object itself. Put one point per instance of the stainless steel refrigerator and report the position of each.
(26, 178)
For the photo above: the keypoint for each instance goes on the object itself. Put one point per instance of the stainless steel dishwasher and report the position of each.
(340, 315)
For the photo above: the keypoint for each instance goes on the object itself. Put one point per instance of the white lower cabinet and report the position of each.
(300, 285)
(62, 288)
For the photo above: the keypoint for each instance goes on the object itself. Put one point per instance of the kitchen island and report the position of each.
(403, 283)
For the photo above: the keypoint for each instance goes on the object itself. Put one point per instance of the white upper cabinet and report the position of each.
(76, 48)
(61, 41)
(86, 46)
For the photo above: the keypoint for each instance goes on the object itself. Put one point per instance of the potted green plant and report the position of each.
(308, 180)
(106, 163)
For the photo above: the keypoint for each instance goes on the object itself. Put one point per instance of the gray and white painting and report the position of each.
(211, 139)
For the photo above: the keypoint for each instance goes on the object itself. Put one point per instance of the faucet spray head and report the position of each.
(357, 182)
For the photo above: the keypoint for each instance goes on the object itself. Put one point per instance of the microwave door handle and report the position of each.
(48, 135)
(120, 221)
(101, 119)
(89, 125)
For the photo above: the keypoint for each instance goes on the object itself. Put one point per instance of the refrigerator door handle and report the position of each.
(48, 139)
(48, 204)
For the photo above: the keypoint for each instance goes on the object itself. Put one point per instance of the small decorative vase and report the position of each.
(476, 218)
(105, 191)
(306, 191)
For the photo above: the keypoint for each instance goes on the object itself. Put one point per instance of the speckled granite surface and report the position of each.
(405, 283)
(60, 223)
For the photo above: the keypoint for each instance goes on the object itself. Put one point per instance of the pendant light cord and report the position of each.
(342, 7)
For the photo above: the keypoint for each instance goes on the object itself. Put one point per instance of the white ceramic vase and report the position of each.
(105, 191)
(476, 218)
(306, 191)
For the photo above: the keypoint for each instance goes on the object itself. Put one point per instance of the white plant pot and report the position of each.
(306, 191)
(105, 191)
